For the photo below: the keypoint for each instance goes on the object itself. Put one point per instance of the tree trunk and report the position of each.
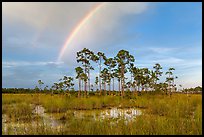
(86, 79)
(89, 80)
(113, 84)
(105, 88)
(109, 89)
(119, 85)
(109, 84)
(169, 86)
(96, 86)
(82, 86)
(100, 77)
(122, 84)
(131, 83)
(79, 88)
(85, 89)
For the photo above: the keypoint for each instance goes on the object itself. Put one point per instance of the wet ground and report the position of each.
(49, 120)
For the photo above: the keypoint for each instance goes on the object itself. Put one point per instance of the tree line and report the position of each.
(195, 90)
(111, 69)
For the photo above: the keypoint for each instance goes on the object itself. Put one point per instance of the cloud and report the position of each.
(162, 50)
(98, 32)
(169, 60)
(27, 77)
(26, 74)
(8, 64)
(59, 19)
(63, 14)
(43, 14)
(180, 63)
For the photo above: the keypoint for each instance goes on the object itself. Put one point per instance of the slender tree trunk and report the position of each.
(105, 88)
(81, 85)
(86, 79)
(68, 91)
(95, 87)
(131, 83)
(85, 89)
(173, 86)
(79, 88)
(131, 86)
(119, 86)
(100, 76)
(113, 84)
(123, 93)
(109, 84)
(89, 80)
(169, 86)
(109, 89)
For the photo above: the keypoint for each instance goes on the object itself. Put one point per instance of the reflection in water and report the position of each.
(113, 113)
(47, 119)
(51, 122)
(128, 114)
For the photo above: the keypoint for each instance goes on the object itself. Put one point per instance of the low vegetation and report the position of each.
(162, 114)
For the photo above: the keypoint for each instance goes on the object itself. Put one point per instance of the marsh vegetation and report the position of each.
(145, 114)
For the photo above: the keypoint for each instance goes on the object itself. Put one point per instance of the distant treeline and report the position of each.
(197, 89)
(28, 90)
(50, 91)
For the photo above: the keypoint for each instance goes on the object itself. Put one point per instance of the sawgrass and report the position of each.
(162, 115)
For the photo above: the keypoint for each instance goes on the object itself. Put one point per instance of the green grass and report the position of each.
(162, 114)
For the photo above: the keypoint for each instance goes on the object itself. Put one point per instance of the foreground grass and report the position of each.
(178, 114)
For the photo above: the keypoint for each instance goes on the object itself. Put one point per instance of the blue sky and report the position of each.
(167, 33)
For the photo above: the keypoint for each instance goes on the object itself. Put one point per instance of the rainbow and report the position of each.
(78, 27)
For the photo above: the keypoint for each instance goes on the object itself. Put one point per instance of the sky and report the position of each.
(34, 35)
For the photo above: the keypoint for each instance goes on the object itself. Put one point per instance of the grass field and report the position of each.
(161, 114)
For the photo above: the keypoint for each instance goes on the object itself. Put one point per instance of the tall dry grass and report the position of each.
(162, 115)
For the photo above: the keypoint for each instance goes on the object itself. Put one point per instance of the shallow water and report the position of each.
(128, 114)
(50, 121)
(47, 119)
(114, 113)
(20, 127)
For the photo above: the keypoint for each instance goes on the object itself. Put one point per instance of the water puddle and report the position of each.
(45, 121)
(127, 114)
(49, 121)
